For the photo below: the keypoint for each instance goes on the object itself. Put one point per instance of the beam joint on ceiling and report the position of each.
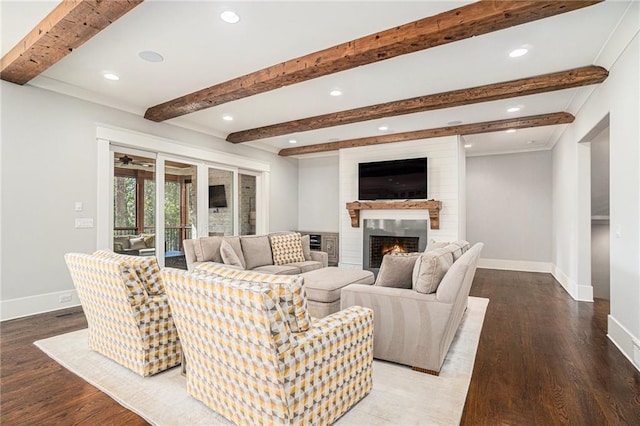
(464, 129)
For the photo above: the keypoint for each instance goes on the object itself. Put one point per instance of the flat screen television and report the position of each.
(217, 196)
(393, 180)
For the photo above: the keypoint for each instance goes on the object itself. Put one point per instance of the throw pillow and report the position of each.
(137, 243)
(433, 244)
(429, 270)
(306, 246)
(149, 240)
(256, 251)
(455, 250)
(229, 256)
(288, 288)
(464, 245)
(286, 248)
(396, 270)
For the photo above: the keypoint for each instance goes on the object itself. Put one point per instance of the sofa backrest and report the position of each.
(232, 333)
(459, 276)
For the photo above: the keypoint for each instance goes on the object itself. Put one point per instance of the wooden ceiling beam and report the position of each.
(526, 86)
(66, 28)
(458, 24)
(464, 129)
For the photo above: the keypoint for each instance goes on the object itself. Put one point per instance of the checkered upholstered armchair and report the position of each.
(245, 361)
(127, 311)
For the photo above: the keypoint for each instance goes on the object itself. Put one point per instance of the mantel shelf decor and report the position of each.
(433, 206)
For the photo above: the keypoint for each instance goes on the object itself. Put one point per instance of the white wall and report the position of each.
(509, 209)
(618, 96)
(49, 161)
(443, 184)
(318, 187)
(600, 259)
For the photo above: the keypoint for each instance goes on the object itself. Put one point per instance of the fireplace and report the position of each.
(383, 236)
(380, 245)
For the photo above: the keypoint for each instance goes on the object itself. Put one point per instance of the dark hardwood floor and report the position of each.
(543, 359)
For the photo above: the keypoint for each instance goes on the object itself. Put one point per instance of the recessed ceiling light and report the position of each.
(530, 142)
(454, 122)
(510, 131)
(150, 56)
(292, 141)
(111, 76)
(230, 17)
(518, 52)
(383, 128)
(335, 92)
(227, 117)
(468, 145)
(513, 109)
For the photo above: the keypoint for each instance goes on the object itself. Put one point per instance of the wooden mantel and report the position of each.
(433, 206)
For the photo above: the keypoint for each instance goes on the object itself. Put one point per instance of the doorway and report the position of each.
(600, 229)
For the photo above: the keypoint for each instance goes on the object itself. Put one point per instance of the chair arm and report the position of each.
(320, 256)
(410, 327)
(336, 337)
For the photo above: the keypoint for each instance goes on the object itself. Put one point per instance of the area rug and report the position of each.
(399, 396)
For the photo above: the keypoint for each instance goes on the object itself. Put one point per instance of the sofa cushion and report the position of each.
(256, 251)
(207, 249)
(286, 249)
(149, 240)
(122, 241)
(137, 243)
(288, 289)
(229, 256)
(433, 244)
(396, 270)
(307, 265)
(464, 245)
(278, 269)
(429, 270)
(237, 247)
(306, 246)
(324, 285)
(455, 250)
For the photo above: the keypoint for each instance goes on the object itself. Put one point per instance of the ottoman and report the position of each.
(322, 287)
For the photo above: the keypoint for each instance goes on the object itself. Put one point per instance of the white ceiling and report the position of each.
(200, 50)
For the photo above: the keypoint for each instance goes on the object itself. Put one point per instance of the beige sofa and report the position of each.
(254, 252)
(413, 328)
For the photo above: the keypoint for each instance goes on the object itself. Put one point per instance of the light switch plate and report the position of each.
(84, 222)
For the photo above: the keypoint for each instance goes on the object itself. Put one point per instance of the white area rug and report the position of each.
(400, 396)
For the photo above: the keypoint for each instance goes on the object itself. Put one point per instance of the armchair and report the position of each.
(127, 312)
(245, 362)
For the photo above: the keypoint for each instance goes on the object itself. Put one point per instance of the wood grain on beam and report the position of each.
(463, 129)
(458, 24)
(490, 92)
(67, 27)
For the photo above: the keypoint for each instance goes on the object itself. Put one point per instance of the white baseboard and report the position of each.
(514, 265)
(32, 305)
(623, 339)
(581, 293)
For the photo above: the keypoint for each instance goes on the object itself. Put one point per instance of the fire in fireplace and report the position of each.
(380, 245)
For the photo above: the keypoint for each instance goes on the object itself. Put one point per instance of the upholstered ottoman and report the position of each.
(322, 287)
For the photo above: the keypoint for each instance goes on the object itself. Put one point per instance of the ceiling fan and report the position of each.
(125, 160)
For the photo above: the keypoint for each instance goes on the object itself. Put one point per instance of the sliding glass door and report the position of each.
(158, 201)
(134, 200)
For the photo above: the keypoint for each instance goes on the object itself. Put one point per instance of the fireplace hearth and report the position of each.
(384, 236)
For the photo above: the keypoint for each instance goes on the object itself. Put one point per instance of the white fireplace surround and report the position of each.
(392, 228)
(445, 170)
